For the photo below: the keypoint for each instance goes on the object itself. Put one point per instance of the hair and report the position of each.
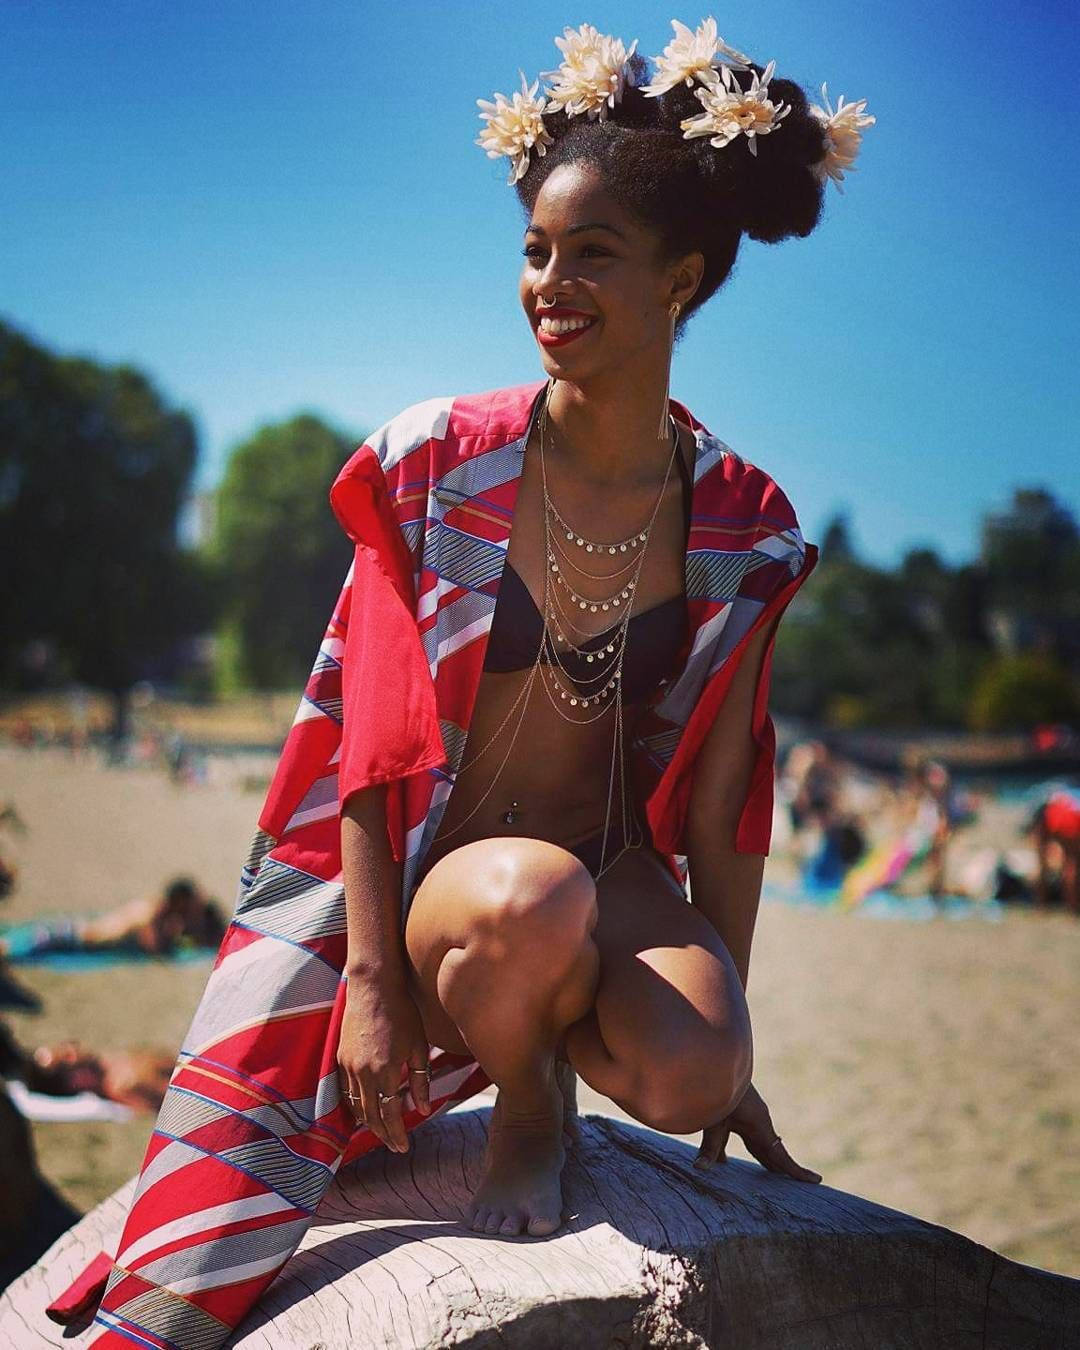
(691, 194)
(180, 888)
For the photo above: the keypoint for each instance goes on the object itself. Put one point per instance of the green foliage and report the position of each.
(281, 553)
(1016, 692)
(94, 467)
(930, 644)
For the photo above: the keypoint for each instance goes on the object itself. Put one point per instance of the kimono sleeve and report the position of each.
(390, 725)
(753, 832)
(781, 563)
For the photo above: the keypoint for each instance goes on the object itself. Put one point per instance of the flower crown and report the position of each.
(596, 69)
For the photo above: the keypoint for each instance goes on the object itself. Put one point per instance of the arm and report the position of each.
(372, 881)
(724, 884)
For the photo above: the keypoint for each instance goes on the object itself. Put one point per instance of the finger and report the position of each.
(372, 1115)
(776, 1158)
(350, 1095)
(420, 1082)
(795, 1169)
(392, 1111)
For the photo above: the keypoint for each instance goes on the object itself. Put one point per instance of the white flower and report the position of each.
(688, 55)
(591, 77)
(843, 135)
(730, 109)
(514, 127)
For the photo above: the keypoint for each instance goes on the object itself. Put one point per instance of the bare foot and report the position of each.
(520, 1190)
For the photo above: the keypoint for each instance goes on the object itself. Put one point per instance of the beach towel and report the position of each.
(252, 1129)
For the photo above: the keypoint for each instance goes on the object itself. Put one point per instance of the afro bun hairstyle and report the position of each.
(694, 196)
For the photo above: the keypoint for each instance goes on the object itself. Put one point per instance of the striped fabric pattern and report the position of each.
(252, 1129)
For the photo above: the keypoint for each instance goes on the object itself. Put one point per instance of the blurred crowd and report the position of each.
(854, 834)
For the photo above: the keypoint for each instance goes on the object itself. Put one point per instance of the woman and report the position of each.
(540, 703)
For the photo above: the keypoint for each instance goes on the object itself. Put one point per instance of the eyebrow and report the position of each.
(579, 229)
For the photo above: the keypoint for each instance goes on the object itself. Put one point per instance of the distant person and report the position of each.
(1055, 825)
(934, 805)
(813, 784)
(137, 1078)
(180, 915)
(9, 871)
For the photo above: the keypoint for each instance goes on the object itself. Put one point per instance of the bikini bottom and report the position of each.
(591, 850)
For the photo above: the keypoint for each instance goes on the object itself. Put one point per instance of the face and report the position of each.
(587, 258)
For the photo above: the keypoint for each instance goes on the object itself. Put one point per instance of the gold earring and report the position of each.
(673, 311)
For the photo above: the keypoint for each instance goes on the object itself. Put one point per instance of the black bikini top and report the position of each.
(654, 638)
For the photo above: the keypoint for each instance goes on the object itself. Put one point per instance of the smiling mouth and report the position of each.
(555, 332)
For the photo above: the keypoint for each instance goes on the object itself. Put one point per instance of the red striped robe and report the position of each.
(252, 1128)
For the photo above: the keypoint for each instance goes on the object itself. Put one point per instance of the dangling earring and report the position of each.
(673, 310)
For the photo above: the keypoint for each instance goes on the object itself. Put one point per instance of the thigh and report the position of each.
(464, 892)
(667, 981)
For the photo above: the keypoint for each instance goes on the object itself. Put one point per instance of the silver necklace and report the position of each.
(551, 614)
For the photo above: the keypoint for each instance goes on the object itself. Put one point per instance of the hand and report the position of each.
(382, 1029)
(752, 1122)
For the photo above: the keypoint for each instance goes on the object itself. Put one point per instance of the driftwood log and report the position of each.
(655, 1253)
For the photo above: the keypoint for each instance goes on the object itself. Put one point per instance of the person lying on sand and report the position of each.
(157, 925)
(137, 1078)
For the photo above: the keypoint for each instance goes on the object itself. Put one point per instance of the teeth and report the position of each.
(557, 326)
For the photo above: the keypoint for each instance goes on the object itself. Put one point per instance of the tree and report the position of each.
(94, 467)
(281, 553)
(836, 545)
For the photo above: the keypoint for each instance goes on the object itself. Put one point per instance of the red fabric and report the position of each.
(670, 802)
(394, 733)
(83, 1294)
(1061, 816)
(227, 1188)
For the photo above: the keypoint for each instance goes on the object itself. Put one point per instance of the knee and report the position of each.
(695, 1091)
(535, 894)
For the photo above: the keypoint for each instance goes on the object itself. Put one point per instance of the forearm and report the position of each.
(372, 881)
(726, 887)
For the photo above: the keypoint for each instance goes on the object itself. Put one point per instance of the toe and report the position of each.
(477, 1218)
(511, 1225)
(541, 1225)
(494, 1219)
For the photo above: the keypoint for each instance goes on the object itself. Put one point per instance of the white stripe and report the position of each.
(460, 639)
(307, 712)
(781, 546)
(429, 601)
(322, 812)
(409, 429)
(230, 1212)
(212, 1279)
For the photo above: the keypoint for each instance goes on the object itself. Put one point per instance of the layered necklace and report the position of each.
(580, 700)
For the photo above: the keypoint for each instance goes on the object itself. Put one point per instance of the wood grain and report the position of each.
(652, 1253)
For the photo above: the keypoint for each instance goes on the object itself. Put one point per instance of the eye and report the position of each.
(531, 250)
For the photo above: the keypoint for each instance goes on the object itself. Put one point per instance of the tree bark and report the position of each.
(653, 1253)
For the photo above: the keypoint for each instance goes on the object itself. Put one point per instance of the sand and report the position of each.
(930, 1066)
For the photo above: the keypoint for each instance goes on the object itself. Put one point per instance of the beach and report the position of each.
(932, 1066)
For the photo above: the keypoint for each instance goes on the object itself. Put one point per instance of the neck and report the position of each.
(607, 434)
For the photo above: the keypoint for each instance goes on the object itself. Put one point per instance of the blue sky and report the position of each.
(276, 206)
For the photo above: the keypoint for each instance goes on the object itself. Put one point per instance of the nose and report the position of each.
(549, 283)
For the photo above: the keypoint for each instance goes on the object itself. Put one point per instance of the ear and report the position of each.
(686, 278)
